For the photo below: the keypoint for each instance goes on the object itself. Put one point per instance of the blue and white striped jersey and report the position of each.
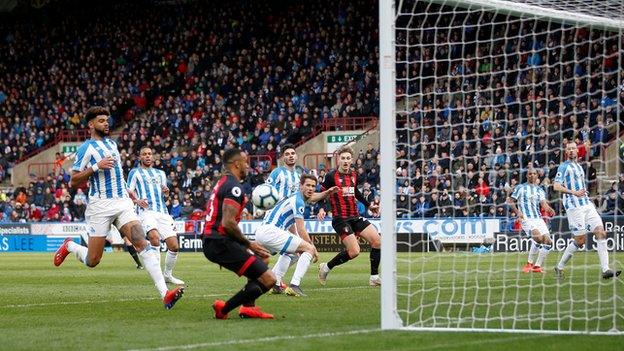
(529, 197)
(285, 211)
(105, 183)
(147, 183)
(284, 180)
(572, 176)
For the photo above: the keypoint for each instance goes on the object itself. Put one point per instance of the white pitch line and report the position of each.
(331, 334)
(258, 340)
(456, 345)
(64, 303)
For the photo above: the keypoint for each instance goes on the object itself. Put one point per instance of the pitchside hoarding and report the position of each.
(412, 235)
(519, 242)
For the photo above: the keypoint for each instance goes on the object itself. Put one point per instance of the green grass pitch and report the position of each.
(115, 307)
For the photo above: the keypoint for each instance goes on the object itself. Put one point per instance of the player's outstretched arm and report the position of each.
(316, 197)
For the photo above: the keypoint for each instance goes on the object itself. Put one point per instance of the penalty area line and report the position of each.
(258, 340)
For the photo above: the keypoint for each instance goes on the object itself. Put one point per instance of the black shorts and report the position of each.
(235, 257)
(347, 226)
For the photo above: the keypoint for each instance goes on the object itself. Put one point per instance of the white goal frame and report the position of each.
(390, 318)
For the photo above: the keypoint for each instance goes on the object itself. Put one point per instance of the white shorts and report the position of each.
(277, 240)
(582, 219)
(531, 224)
(162, 222)
(101, 213)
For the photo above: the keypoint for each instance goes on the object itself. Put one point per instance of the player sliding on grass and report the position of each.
(283, 230)
(582, 214)
(346, 220)
(529, 197)
(225, 244)
(98, 161)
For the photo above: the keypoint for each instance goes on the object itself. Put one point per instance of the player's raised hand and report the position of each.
(321, 214)
(334, 189)
(259, 250)
(142, 203)
(106, 163)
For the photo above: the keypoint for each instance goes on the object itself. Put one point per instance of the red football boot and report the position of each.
(253, 312)
(218, 306)
(61, 252)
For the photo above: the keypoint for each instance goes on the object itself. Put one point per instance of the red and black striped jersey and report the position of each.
(343, 203)
(227, 191)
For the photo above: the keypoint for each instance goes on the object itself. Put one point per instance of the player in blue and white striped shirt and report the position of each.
(98, 161)
(150, 186)
(530, 197)
(581, 212)
(283, 230)
(286, 180)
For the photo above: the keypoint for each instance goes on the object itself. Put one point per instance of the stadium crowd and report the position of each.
(259, 75)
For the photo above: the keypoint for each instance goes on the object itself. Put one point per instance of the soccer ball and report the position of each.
(264, 196)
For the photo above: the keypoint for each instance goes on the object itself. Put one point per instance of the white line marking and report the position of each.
(64, 303)
(456, 345)
(258, 340)
(333, 334)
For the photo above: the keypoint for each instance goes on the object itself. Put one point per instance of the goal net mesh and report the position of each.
(484, 91)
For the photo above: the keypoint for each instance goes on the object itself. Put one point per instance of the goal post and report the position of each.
(387, 145)
(473, 93)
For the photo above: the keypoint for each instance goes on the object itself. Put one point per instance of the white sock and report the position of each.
(567, 254)
(533, 251)
(281, 266)
(150, 262)
(301, 269)
(79, 250)
(170, 261)
(157, 248)
(542, 255)
(603, 254)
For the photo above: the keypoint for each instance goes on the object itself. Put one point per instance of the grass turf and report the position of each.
(114, 307)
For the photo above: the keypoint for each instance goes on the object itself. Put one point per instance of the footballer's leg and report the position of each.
(236, 258)
(545, 246)
(351, 251)
(578, 243)
(134, 231)
(371, 235)
(173, 249)
(307, 252)
(133, 253)
(99, 226)
(603, 253)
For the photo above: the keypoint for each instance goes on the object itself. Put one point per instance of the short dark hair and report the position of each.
(286, 147)
(308, 176)
(96, 111)
(230, 154)
(345, 149)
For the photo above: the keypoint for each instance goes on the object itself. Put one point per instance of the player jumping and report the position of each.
(98, 161)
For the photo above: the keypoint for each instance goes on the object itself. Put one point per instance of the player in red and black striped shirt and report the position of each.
(346, 220)
(225, 244)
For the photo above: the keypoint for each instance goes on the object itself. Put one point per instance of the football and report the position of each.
(264, 196)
